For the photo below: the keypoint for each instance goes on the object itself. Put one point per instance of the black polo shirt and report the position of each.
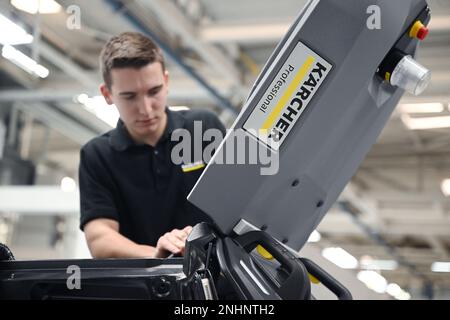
(137, 184)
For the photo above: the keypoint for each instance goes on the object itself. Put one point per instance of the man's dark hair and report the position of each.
(128, 49)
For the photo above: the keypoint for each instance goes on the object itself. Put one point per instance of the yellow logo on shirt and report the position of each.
(193, 166)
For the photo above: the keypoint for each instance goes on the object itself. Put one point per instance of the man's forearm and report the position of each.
(114, 245)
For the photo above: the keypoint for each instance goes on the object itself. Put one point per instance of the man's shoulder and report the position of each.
(197, 114)
(208, 118)
(98, 144)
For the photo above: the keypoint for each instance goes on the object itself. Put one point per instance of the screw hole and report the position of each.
(319, 204)
(295, 183)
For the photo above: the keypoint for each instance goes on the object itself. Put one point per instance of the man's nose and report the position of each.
(146, 106)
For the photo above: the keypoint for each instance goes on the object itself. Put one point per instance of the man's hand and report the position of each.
(172, 242)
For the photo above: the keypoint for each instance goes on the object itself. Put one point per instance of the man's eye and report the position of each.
(130, 97)
(154, 92)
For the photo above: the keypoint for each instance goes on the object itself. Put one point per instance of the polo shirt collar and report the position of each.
(121, 140)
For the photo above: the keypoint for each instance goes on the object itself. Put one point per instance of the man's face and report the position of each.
(140, 96)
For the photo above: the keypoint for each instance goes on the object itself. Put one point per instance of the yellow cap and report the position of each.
(418, 30)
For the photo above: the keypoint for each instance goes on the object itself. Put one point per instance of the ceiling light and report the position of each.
(403, 296)
(426, 123)
(340, 257)
(82, 98)
(445, 187)
(33, 6)
(14, 35)
(25, 62)
(440, 266)
(421, 107)
(68, 184)
(314, 236)
(373, 280)
(393, 289)
(374, 264)
(98, 106)
(178, 108)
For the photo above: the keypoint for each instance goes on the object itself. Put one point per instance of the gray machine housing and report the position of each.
(332, 136)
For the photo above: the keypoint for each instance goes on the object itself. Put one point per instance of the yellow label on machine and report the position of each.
(287, 96)
(288, 93)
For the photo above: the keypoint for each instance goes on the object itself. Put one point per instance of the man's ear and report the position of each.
(166, 78)
(106, 93)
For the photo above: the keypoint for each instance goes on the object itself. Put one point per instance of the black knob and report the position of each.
(162, 287)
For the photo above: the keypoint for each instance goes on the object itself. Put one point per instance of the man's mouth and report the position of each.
(147, 121)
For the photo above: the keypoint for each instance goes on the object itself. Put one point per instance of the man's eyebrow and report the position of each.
(129, 93)
(156, 87)
(126, 93)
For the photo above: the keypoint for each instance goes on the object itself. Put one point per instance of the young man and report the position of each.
(133, 197)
